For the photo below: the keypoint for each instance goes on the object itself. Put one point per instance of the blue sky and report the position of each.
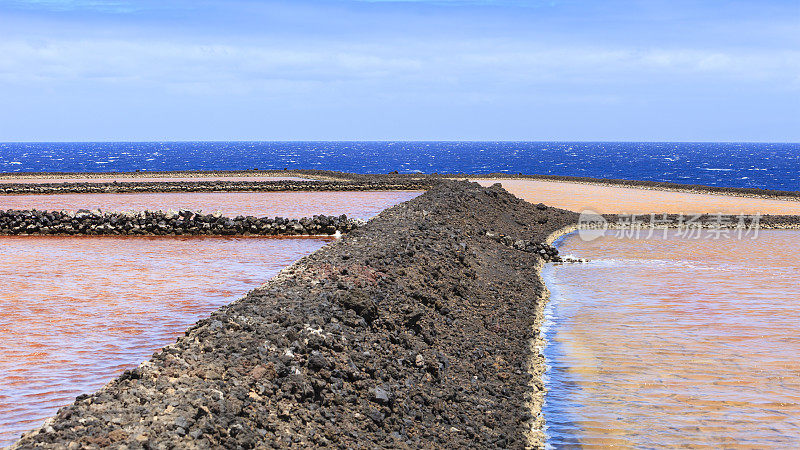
(74, 70)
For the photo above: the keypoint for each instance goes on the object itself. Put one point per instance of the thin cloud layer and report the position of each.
(169, 62)
(542, 74)
(112, 6)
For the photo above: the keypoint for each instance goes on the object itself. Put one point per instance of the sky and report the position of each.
(539, 70)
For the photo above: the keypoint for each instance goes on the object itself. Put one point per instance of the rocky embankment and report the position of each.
(412, 331)
(161, 223)
(140, 186)
(325, 180)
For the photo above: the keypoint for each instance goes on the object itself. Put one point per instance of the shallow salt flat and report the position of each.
(623, 200)
(75, 312)
(361, 205)
(675, 343)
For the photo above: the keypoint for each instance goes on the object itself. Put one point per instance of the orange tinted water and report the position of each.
(669, 343)
(76, 312)
(142, 179)
(362, 205)
(621, 200)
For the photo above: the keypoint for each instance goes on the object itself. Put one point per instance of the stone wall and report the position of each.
(211, 186)
(160, 223)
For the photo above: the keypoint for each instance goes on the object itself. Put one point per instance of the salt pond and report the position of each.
(360, 205)
(674, 343)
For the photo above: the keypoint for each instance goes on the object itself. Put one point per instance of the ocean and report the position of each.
(753, 165)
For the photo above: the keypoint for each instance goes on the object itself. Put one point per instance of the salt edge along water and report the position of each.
(417, 329)
(412, 330)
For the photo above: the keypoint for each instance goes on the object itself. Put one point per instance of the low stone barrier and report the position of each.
(211, 186)
(164, 223)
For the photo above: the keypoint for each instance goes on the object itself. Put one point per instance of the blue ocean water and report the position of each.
(760, 165)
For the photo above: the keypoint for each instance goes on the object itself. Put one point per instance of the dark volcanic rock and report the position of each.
(412, 331)
(374, 183)
(184, 222)
(359, 301)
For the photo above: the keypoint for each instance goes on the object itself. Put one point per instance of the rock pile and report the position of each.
(412, 331)
(541, 249)
(160, 223)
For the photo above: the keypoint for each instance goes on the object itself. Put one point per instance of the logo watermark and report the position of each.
(592, 225)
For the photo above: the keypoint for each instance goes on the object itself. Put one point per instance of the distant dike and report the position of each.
(320, 180)
(419, 329)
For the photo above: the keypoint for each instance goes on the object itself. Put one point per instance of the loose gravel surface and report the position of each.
(413, 331)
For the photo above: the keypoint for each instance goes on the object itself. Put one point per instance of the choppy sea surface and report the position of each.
(761, 165)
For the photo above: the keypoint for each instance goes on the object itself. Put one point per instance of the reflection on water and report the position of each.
(675, 343)
(622, 200)
(75, 312)
(360, 205)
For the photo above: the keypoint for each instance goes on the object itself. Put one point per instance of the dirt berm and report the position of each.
(413, 331)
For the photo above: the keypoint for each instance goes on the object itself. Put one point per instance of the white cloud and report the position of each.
(113, 6)
(528, 3)
(476, 65)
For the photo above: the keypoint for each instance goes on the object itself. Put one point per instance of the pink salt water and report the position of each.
(675, 343)
(361, 205)
(76, 312)
(624, 200)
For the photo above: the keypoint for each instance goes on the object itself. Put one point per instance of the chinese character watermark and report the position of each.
(592, 225)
